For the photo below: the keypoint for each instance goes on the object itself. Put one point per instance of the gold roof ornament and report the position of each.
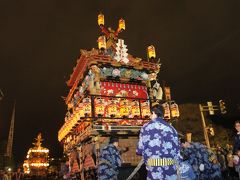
(39, 140)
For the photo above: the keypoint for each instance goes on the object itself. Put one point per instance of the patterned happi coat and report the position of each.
(109, 162)
(198, 154)
(186, 171)
(158, 139)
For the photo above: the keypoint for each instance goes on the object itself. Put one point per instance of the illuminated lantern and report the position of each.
(99, 107)
(121, 24)
(145, 109)
(167, 112)
(100, 19)
(174, 110)
(87, 106)
(81, 112)
(124, 108)
(135, 109)
(112, 108)
(151, 52)
(102, 42)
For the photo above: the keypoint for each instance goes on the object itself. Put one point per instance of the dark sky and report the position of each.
(197, 41)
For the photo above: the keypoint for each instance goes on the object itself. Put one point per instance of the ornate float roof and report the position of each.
(112, 52)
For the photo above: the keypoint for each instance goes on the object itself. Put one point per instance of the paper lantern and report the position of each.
(100, 19)
(166, 113)
(135, 111)
(121, 24)
(99, 107)
(112, 108)
(174, 110)
(151, 52)
(102, 42)
(145, 109)
(87, 106)
(124, 108)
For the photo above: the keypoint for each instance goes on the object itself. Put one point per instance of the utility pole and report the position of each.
(211, 109)
(204, 127)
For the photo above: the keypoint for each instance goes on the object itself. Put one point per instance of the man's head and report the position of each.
(156, 111)
(19, 170)
(114, 140)
(237, 125)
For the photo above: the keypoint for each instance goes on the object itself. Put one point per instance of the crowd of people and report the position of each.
(167, 157)
(8, 175)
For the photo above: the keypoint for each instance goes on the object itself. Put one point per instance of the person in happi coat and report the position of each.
(202, 161)
(186, 169)
(159, 146)
(109, 161)
(237, 137)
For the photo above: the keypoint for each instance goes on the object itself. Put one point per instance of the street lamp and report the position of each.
(211, 109)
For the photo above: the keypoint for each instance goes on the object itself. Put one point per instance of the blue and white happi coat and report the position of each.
(199, 157)
(109, 163)
(158, 139)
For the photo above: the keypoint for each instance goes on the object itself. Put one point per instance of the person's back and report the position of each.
(109, 161)
(159, 146)
(237, 137)
(198, 157)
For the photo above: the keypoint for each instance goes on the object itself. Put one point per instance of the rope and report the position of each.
(135, 170)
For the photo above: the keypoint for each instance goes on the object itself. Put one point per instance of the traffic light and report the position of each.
(210, 108)
(222, 107)
(211, 131)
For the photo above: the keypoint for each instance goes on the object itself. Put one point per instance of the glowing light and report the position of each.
(151, 52)
(121, 24)
(102, 42)
(100, 19)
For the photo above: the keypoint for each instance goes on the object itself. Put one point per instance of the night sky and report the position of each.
(197, 41)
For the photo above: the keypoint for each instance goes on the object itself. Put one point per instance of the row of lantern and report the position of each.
(170, 111)
(114, 108)
(102, 44)
(101, 22)
(119, 108)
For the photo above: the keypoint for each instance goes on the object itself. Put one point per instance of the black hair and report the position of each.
(113, 139)
(237, 121)
(185, 157)
(157, 109)
(182, 140)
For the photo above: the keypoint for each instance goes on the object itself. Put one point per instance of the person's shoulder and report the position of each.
(147, 124)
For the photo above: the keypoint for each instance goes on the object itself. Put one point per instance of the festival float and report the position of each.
(111, 93)
(36, 162)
